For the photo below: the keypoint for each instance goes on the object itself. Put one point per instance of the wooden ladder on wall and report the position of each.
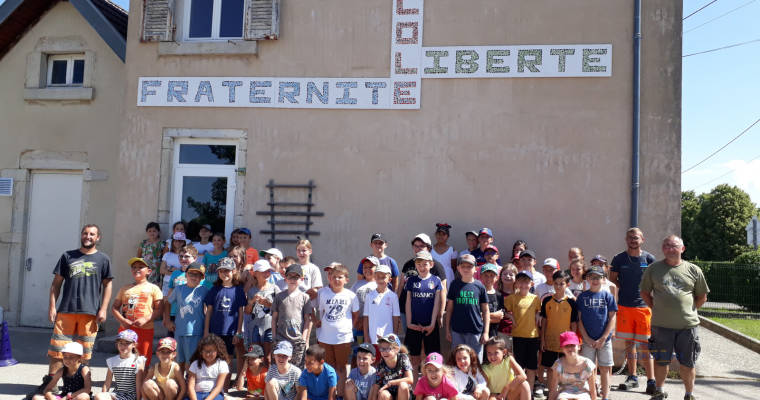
(298, 214)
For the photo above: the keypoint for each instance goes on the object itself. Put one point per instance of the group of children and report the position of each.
(533, 331)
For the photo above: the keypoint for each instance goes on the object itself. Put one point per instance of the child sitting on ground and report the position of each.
(76, 377)
(435, 384)
(468, 374)
(318, 380)
(165, 380)
(506, 379)
(573, 376)
(126, 370)
(256, 368)
(393, 379)
(361, 378)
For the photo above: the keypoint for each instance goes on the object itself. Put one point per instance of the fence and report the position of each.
(734, 290)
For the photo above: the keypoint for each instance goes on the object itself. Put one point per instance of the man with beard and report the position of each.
(85, 275)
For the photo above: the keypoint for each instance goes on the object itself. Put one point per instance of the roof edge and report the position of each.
(7, 8)
(101, 25)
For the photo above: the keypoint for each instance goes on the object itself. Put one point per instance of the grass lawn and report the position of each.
(749, 327)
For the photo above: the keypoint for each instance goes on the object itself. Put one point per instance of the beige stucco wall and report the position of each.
(61, 126)
(545, 160)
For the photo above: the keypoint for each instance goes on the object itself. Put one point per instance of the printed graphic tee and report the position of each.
(335, 311)
(83, 275)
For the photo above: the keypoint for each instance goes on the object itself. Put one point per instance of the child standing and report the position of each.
(442, 252)
(527, 265)
(204, 245)
(150, 250)
(467, 304)
(488, 275)
(188, 300)
(281, 381)
(125, 370)
(558, 314)
(187, 256)
(312, 276)
(435, 384)
(524, 307)
(378, 244)
(258, 329)
(576, 283)
(506, 379)
(136, 306)
(491, 254)
(573, 376)
(393, 379)
(468, 374)
(209, 369)
(381, 308)
(597, 310)
(361, 378)
(546, 289)
(338, 308)
(244, 240)
(256, 369)
(211, 259)
(318, 380)
(165, 380)
(423, 304)
(170, 260)
(362, 288)
(291, 315)
(77, 382)
(472, 243)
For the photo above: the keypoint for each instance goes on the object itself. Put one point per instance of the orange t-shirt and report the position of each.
(256, 383)
(137, 301)
(251, 255)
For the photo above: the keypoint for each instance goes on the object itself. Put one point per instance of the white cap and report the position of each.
(552, 262)
(383, 268)
(73, 348)
(261, 266)
(275, 252)
(425, 239)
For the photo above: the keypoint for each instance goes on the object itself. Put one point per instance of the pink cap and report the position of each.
(435, 359)
(568, 338)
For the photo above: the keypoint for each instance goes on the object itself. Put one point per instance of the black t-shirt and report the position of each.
(495, 303)
(409, 270)
(630, 269)
(83, 275)
(467, 298)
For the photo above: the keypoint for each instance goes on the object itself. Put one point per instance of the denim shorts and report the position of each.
(253, 336)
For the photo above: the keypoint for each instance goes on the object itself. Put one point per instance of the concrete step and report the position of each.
(106, 341)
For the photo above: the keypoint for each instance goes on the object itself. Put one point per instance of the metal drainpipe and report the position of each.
(636, 112)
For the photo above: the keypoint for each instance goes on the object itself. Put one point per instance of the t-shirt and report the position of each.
(480, 256)
(335, 311)
(594, 308)
(189, 304)
(318, 386)
(467, 298)
(124, 372)
(261, 317)
(576, 288)
(312, 276)
(387, 260)
(83, 275)
(499, 375)
(466, 382)
(630, 269)
(137, 301)
(380, 308)
(292, 309)
(673, 290)
(287, 381)
(422, 294)
(177, 278)
(226, 303)
(445, 390)
(524, 310)
(558, 314)
(363, 383)
(543, 290)
(361, 294)
(206, 375)
(203, 248)
(445, 260)
(251, 255)
(385, 374)
(256, 383)
(495, 303)
(410, 270)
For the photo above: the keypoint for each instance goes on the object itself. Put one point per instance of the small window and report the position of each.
(65, 70)
(215, 19)
(206, 154)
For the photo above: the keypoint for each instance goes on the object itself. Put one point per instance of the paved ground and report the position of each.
(725, 370)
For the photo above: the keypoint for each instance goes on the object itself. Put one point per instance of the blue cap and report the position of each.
(485, 231)
(245, 231)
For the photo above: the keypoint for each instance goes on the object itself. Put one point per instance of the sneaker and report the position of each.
(689, 397)
(630, 383)
(659, 395)
(651, 387)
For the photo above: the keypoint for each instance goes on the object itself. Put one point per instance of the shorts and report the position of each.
(144, 343)
(526, 351)
(171, 333)
(470, 339)
(337, 355)
(204, 396)
(252, 335)
(415, 339)
(601, 357)
(80, 328)
(186, 346)
(633, 323)
(548, 358)
(227, 339)
(685, 343)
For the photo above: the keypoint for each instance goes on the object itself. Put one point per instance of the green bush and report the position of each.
(751, 257)
(733, 283)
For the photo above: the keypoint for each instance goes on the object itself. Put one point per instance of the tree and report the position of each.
(717, 232)
(690, 206)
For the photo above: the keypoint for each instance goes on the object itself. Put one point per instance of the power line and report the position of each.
(699, 9)
(723, 147)
(721, 48)
(720, 16)
(715, 179)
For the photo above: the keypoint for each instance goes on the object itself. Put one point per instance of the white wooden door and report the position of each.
(54, 221)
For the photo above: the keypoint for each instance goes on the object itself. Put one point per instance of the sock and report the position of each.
(688, 393)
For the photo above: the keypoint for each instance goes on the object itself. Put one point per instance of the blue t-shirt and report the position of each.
(226, 302)
(594, 308)
(422, 292)
(210, 261)
(177, 278)
(387, 260)
(480, 255)
(467, 298)
(630, 270)
(189, 304)
(318, 386)
(363, 383)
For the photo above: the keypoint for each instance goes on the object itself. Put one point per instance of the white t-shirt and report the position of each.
(203, 248)
(546, 289)
(205, 376)
(445, 260)
(335, 313)
(606, 285)
(361, 294)
(312, 276)
(172, 261)
(380, 308)
(466, 383)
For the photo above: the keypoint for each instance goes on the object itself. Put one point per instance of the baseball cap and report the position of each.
(599, 257)
(284, 348)
(371, 259)
(226, 263)
(473, 233)
(206, 227)
(552, 262)
(435, 359)
(179, 236)
(492, 248)
(568, 338)
(273, 252)
(389, 338)
(367, 348)
(196, 266)
(467, 258)
(377, 236)
(528, 253)
(245, 231)
(523, 275)
(261, 266)
(423, 255)
(136, 259)
(255, 351)
(167, 343)
(485, 231)
(294, 269)
(425, 239)
(489, 268)
(75, 348)
(383, 268)
(594, 270)
(442, 227)
(128, 335)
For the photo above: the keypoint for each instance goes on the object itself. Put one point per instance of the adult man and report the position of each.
(674, 289)
(633, 317)
(85, 275)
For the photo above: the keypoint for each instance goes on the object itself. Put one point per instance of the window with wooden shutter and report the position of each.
(262, 19)
(158, 21)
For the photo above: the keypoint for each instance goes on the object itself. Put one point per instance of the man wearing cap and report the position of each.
(378, 243)
(634, 317)
(85, 275)
(674, 289)
(485, 238)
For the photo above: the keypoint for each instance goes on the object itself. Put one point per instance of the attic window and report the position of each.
(65, 70)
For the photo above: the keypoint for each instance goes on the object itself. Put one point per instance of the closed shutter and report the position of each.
(262, 19)
(158, 21)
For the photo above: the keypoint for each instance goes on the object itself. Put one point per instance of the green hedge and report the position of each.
(733, 283)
